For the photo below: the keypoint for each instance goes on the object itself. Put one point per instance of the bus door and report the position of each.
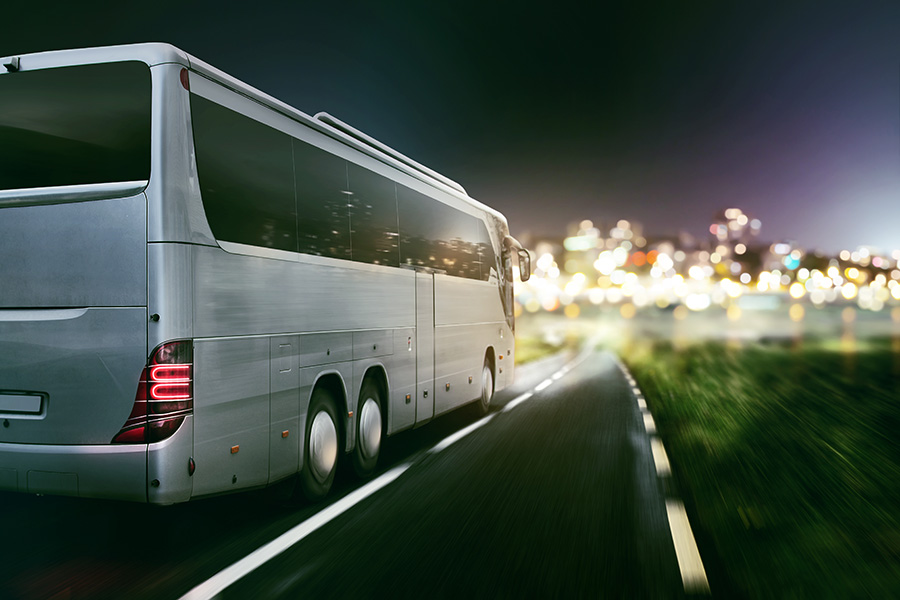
(424, 346)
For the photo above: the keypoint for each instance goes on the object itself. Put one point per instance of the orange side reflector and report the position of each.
(285, 433)
(350, 414)
(501, 357)
(234, 449)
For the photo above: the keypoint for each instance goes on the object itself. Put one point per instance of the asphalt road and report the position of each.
(556, 496)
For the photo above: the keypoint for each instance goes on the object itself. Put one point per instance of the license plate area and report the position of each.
(22, 404)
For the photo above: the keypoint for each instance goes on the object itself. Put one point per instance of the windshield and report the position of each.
(75, 125)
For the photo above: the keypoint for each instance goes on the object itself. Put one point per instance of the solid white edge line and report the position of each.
(543, 385)
(693, 575)
(517, 401)
(221, 580)
(459, 435)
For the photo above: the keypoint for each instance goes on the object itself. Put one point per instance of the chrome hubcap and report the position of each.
(487, 386)
(322, 445)
(370, 428)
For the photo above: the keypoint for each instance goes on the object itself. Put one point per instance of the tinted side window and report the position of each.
(435, 235)
(373, 217)
(246, 177)
(323, 199)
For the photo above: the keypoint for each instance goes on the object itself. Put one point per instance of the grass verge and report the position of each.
(533, 348)
(788, 456)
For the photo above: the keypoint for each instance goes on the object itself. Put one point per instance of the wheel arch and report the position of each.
(490, 357)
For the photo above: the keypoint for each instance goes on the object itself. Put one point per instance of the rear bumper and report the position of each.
(114, 472)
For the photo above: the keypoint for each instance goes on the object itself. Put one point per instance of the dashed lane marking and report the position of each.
(659, 457)
(517, 401)
(543, 385)
(460, 434)
(693, 575)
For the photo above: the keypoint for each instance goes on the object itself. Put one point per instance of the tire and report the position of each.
(320, 446)
(487, 389)
(369, 429)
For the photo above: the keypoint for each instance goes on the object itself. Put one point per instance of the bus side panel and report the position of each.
(402, 381)
(468, 320)
(168, 466)
(231, 414)
(284, 407)
(236, 294)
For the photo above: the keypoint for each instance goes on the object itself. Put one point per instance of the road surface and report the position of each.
(557, 493)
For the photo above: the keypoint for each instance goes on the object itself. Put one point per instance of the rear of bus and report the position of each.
(85, 395)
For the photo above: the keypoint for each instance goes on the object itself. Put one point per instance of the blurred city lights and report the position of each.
(618, 265)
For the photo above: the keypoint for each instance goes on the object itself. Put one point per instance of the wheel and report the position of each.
(369, 429)
(320, 446)
(487, 389)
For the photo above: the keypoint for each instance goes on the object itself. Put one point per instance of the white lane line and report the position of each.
(642, 404)
(447, 441)
(557, 376)
(517, 401)
(636, 390)
(543, 385)
(221, 580)
(649, 425)
(692, 572)
(659, 457)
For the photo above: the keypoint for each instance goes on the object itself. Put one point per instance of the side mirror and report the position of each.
(510, 243)
(524, 264)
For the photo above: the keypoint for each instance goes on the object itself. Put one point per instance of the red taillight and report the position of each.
(165, 395)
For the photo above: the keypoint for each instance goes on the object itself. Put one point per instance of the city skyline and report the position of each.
(662, 114)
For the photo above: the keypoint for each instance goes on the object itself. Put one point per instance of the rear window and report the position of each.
(75, 125)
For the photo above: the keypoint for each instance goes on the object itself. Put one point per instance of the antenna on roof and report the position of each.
(361, 137)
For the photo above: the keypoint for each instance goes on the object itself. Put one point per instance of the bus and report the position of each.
(205, 290)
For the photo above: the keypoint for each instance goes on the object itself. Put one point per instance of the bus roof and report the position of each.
(156, 53)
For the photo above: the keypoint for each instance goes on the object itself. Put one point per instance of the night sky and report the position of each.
(658, 112)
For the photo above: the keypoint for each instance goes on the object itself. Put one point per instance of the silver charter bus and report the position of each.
(204, 290)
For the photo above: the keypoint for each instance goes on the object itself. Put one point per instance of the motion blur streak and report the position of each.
(220, 581)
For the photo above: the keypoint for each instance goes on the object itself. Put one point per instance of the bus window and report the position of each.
(246, 177)
(322, 198)
(75, 125)
(373, 217)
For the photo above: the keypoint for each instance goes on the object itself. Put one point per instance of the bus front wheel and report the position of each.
(320, 448)
(487, 388)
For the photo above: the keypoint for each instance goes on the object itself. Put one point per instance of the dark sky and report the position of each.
(658, 112)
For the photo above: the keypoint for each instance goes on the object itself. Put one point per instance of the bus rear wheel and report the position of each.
(369, 430)
(320, 447)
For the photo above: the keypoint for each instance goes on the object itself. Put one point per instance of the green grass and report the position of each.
(788, 457)
(533, 348)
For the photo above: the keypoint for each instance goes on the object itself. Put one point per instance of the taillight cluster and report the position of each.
(165, 395)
